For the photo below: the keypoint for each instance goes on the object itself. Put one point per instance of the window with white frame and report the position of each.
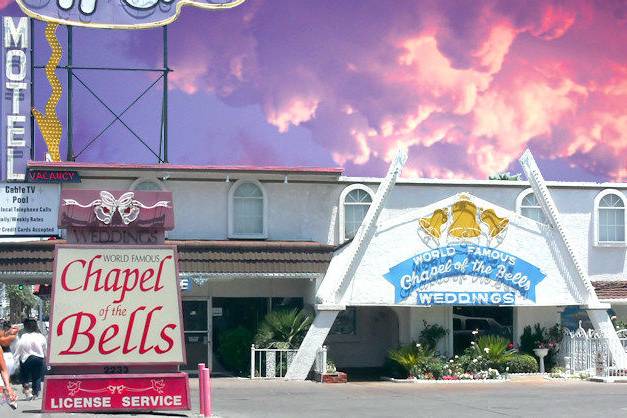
(610, 218)
(529, 207)
(354, 202)
(247, 212)
(147, 184)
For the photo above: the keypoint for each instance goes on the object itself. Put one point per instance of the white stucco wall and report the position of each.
(302, 210)
(377, 331)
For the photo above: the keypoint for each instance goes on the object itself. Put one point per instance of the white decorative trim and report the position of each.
(596, 310)
(230, 216)
(340, 274)
(595, 216)
(342, 215)
(152, 180)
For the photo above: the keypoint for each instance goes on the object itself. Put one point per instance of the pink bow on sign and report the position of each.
(127, 206)
(113, 389)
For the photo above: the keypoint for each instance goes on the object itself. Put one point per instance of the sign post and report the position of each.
(116, 333)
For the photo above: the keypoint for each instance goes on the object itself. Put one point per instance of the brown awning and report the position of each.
(32, 261)
(611, 289)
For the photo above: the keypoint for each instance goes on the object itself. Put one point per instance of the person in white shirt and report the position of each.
(30, 350)
(5, 384)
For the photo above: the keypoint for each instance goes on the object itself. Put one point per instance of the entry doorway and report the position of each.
(487, 320)
(197, 333)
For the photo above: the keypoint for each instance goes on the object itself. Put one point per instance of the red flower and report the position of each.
(510, 346)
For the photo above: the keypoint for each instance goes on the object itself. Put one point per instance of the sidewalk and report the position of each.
(529, 396)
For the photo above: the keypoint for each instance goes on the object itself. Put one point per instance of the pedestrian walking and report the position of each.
(7, 389)
(30, 350)
(8, 337)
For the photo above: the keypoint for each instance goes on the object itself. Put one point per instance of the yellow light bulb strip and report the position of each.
(49, 123)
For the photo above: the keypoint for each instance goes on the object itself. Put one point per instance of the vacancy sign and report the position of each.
(115, 306)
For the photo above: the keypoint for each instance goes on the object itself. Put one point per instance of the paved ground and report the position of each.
(529, 397)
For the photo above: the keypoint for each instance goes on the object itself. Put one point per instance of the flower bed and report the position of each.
(487, 358)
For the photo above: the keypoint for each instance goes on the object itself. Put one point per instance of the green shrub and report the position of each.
(431, 335)
(531, 337)
(391, 368)
(432, 368)
(410, 356)
(520, 363)
(234, 349)
(493, 349)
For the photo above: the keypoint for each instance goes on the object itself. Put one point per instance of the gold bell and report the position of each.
(432, 225)
(494, 223)
(464, 219)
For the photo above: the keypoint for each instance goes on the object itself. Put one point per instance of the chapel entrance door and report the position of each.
(485, 320)
(197, 331)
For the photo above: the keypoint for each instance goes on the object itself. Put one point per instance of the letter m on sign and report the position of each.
(15, 37)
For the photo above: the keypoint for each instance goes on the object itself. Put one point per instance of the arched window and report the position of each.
(147, 184)
(355, 201)
(247, 211)
(610, 218)
(528, 206)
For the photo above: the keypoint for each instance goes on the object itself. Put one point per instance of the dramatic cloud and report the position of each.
(464, 87)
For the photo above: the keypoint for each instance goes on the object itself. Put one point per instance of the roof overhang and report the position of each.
(191, 172)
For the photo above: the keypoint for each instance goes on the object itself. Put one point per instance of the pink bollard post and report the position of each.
(207, 391)
(201, 388)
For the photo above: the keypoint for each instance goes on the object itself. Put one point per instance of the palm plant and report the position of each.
(283, 329)
(414, 358)
(494, 349)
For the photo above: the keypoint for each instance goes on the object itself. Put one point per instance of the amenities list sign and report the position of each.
(29, 210)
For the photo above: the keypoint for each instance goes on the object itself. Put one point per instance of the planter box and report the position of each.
(337, 377)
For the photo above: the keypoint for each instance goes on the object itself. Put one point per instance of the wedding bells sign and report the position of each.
(115, 305)
(116, 334)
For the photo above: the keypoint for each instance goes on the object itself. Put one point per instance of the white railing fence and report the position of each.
(272, 363)
(585, 352)
(320, 365)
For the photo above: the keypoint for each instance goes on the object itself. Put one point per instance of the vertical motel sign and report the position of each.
(16, 98)
(116, 332)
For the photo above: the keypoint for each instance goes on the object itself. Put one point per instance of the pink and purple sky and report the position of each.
(465, 86)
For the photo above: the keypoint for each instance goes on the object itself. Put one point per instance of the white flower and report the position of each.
(507, 369)
(613, 317)
(479, 357)
(487, 350)
(418, 345)
(472, 343)
(475, 332)
(456, 356)
(474, 360)
(451, 361)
